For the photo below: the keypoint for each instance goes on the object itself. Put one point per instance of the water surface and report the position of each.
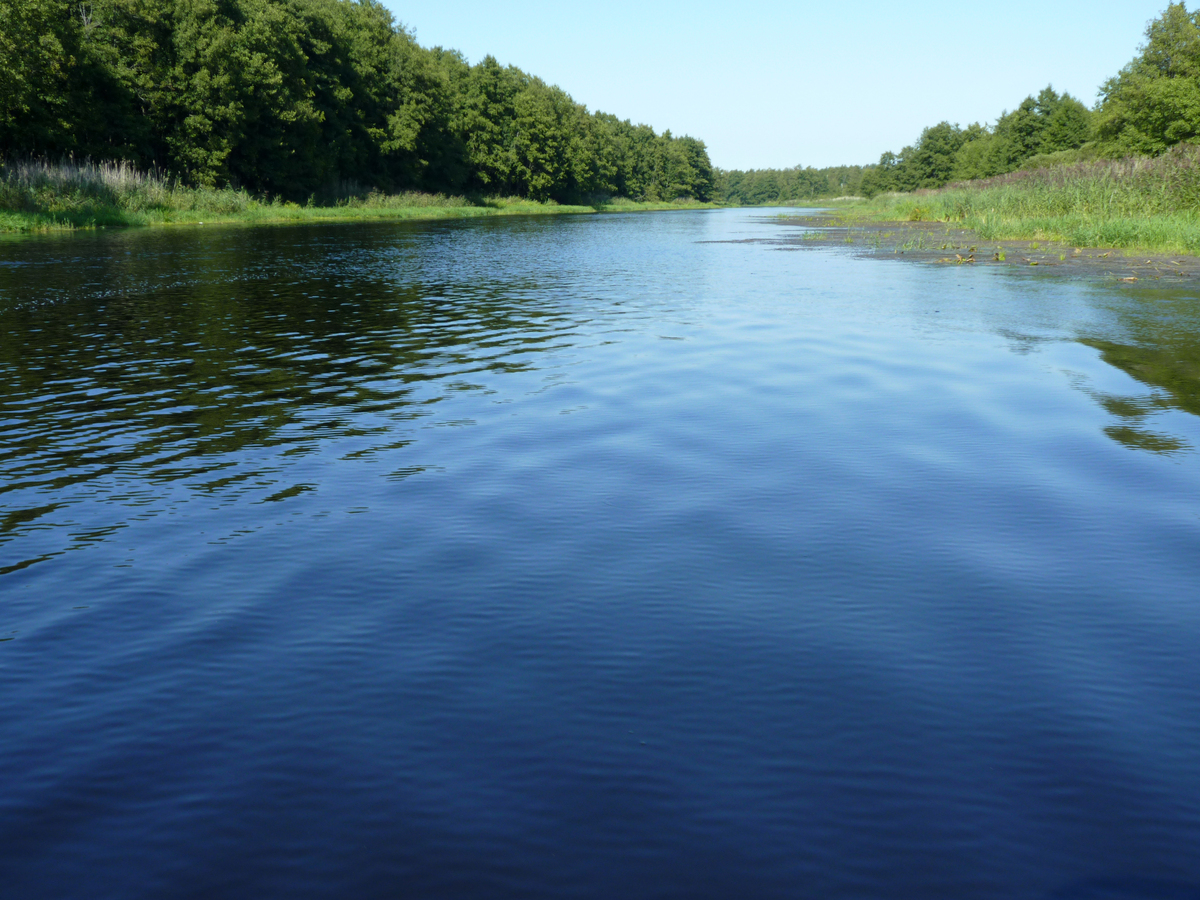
(632, 555)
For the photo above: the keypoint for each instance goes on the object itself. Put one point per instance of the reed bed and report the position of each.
(42, 195)
(1138, 202)
(45, 195)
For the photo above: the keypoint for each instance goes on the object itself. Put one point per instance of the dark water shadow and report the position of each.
(1160, 349)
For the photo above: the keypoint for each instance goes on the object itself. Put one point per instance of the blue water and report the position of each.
(652, 555)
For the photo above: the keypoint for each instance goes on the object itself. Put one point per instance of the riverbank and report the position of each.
(943, 243)
(1138, 204)
(41, 198)
(277, 213)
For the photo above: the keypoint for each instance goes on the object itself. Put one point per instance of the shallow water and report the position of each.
(608, 556)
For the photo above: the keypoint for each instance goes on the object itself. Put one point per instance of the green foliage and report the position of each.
(1154, 102)
(979, 158)
(58, 91)
(289, 97)
(1047, 124)
(546, 146)
(488, 120)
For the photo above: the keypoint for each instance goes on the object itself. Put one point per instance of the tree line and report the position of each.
(763, 187)
(300, 97)
(1043, 129)
(1040, 127)
(1149, 106)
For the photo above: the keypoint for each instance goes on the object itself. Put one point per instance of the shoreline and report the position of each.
(33, 224)
(954, 244)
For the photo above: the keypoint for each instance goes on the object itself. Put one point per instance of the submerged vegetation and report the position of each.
(231, 106)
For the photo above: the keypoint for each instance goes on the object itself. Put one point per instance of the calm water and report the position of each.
(597, 557)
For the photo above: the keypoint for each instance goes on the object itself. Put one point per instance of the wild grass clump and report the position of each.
(349, 194)
(88, 193)
(1144, 202)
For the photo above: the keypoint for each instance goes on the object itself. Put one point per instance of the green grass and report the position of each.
(1138, 203)
(38, 196)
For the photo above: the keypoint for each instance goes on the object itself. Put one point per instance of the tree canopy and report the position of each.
(1154, 102)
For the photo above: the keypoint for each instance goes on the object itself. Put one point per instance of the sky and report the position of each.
(769, 84)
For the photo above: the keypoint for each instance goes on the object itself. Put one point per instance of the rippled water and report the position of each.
(624, 556)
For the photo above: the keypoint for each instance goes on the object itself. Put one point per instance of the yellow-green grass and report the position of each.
(37, 196)
(1150, 204)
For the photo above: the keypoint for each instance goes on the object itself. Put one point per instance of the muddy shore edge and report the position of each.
(940, 243)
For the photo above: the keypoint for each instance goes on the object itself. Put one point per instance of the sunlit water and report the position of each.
(596, 557)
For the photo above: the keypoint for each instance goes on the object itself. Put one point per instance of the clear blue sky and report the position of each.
(776, 84)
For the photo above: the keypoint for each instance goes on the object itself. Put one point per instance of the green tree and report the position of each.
(701, 178)
(39, 50)
(1043, 124)
(929, 163)
(1047, 123)
(489, 124)
(225, 86)
(1154, 102)
(544, 143)
(978, 158)
(421, 141)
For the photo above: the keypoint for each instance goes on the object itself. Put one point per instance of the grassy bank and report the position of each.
(1150, 204)
(37, 196)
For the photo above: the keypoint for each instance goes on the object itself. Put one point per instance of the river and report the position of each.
(644, 555)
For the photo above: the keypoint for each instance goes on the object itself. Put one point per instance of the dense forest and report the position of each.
(1148, 107)
(301, 97)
